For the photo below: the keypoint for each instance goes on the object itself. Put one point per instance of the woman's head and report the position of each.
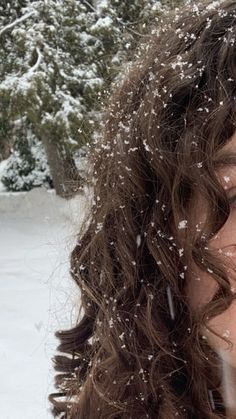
(202, 286)
(148, 264)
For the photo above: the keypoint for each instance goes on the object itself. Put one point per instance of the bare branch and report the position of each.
(36, 65)
(16, 22)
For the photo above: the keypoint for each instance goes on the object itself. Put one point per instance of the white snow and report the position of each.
(3, 165)
(12, 24)
(182, 224)
(102, 22)
(38, 297)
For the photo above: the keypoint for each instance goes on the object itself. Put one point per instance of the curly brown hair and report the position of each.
(138, 351)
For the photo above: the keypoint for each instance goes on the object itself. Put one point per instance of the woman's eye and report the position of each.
(232, 201)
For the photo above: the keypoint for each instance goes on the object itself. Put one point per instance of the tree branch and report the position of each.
(16, 22)
(36, 65)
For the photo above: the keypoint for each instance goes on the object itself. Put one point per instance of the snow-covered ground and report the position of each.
(38, 231)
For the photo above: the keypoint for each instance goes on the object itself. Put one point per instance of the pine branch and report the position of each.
(36, 65)
(16, 22)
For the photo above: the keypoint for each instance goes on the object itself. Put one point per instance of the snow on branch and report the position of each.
(16, 22)
(22, 82)
(36, 65)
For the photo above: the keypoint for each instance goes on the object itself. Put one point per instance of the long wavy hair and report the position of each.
(138, 350)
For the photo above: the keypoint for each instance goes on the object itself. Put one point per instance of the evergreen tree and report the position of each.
(119, 27)
(27, 166)
(52, 80)
(61, 58)
(9, 12)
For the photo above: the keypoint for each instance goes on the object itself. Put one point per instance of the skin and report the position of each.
(201, 287)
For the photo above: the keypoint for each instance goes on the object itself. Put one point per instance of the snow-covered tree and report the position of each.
(27, 166)
(119, 26)
(9, 11)
(52, 80)
(61, 57)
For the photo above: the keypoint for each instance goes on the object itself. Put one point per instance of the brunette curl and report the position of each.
(138, 350)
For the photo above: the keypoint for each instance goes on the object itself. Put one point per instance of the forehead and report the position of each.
(230, 146)
(225, 163)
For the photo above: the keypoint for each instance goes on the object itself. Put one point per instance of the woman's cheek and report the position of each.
(224, 324)
(200, 288)
(226, 237)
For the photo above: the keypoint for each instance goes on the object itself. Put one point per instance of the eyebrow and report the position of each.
(225, 159)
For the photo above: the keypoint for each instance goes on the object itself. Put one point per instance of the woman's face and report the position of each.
(201, 287)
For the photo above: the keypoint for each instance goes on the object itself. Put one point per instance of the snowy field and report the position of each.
(38, 231)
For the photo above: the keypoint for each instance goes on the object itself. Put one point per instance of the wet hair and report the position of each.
(137, 350)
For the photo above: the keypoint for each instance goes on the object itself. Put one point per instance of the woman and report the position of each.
(156, 263)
